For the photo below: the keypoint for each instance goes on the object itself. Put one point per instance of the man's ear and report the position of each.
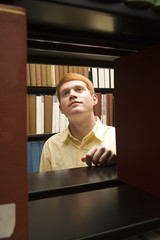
(95, 99)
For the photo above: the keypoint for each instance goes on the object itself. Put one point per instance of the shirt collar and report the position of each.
(97, 131)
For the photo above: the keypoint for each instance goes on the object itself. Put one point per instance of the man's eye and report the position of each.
(65, 94)
(79, 89)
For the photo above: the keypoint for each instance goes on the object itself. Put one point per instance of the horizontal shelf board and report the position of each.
(69, 58)
(96, 22)
(112, 7)
(52, 90)
(41, 90)
(104, 90)
(39, 137)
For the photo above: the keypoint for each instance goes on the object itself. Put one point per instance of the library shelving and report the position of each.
(114, 35)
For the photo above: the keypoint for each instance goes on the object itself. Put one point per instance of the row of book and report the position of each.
(102, 77)
(50, 75)
(34, 150)
(104, 109)
(44, 116)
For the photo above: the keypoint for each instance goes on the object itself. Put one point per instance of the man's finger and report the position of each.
(88, 157)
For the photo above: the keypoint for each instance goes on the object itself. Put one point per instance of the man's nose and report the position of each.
(72, 94)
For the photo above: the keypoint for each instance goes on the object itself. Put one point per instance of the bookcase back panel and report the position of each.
(137, 91)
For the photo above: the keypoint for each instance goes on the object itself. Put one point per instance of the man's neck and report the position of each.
(80, 128)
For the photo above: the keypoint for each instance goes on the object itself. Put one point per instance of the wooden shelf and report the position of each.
(96, 23)
(51, 90)
(39, 137)
(41, 90)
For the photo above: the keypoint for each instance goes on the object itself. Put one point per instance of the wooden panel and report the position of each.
(13, 154)
(137, 104)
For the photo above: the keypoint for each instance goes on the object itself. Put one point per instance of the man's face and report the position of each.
(76, 98)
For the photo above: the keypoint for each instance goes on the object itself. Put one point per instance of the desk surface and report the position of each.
(60, 182)
(112, 213)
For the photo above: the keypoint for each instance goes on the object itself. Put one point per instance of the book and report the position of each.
(103, 109)
(53, 82)
(97, 107)
(71, 69)
(40, 114)
(86, 72)
(81, 70)
(35, 156)
(38, 75)
(55, 115)
(33, 74)
(57, 77)
(48, 71)
(109, 108)
(111, 78)
(34, 150)
(101, 77)
(32, 114)
(44, 75)
(106, 78)
(75, 69)
(48, 107)
(29, 157)
(90, 75)
(95, 77)
(61, 72)
(13, 141)
(113, 111)
(28, 75)
(65, 70)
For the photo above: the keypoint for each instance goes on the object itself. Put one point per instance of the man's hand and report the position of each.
(99, 155)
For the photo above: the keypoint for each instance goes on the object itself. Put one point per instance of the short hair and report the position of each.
(74, 77)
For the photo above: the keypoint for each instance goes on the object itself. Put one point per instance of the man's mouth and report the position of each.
(73, 103)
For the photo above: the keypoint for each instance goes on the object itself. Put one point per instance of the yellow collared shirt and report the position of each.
(63, 151)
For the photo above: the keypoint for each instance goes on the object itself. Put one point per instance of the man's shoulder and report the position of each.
(58, 137)
(108, 130)
(107, 127)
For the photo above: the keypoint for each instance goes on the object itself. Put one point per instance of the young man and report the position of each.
(86, 141)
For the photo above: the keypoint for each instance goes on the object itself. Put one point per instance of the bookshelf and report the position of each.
(118, 31)
(101, 33)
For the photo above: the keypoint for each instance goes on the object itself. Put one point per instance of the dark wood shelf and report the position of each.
(118, 27)
(41, 90)
(39, 137)
(51, 90)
